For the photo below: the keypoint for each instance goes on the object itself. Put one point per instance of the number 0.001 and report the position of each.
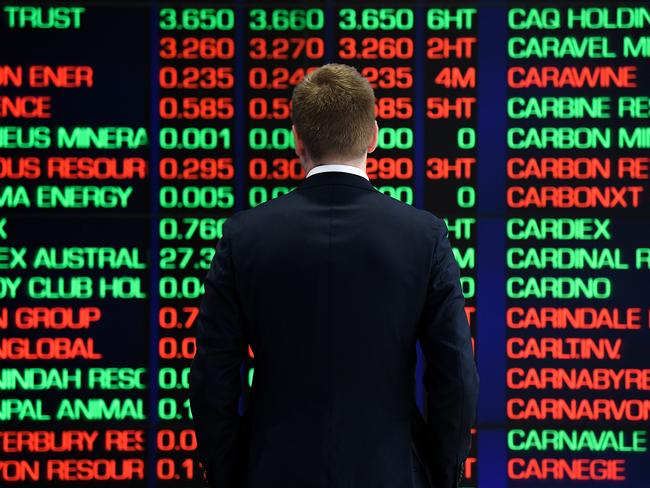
(194, 138)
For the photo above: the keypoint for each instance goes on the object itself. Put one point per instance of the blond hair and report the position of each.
(333, 111)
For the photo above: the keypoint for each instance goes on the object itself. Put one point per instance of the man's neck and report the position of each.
(345, 168)
(360, 164)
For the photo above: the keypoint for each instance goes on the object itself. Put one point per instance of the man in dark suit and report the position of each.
(332, 285)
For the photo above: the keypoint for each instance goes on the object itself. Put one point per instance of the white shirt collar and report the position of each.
(346, 168)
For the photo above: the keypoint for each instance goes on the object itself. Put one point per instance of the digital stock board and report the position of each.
(131, 131)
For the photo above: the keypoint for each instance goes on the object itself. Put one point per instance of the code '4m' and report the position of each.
(454, 77)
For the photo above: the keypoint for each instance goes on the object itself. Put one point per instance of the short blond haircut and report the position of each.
(333, 111)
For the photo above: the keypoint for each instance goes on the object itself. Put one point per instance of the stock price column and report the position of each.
(450, 146)
(379, 43)
(196, 170)
(578, 254)
(282, 46)
(74, 264)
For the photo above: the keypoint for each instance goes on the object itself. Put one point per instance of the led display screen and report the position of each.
(131, 131)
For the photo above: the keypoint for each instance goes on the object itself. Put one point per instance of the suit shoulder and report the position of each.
(418, 217)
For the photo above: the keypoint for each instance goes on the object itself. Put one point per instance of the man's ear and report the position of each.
(375, 139)
(297, 141)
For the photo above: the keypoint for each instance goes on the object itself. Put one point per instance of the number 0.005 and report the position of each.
(197, 197)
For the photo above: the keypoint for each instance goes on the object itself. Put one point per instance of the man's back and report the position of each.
(331, 285)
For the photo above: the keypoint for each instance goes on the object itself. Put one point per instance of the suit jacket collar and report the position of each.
(335, 178)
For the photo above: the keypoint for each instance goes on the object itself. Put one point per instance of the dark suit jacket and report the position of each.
(331, 285)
